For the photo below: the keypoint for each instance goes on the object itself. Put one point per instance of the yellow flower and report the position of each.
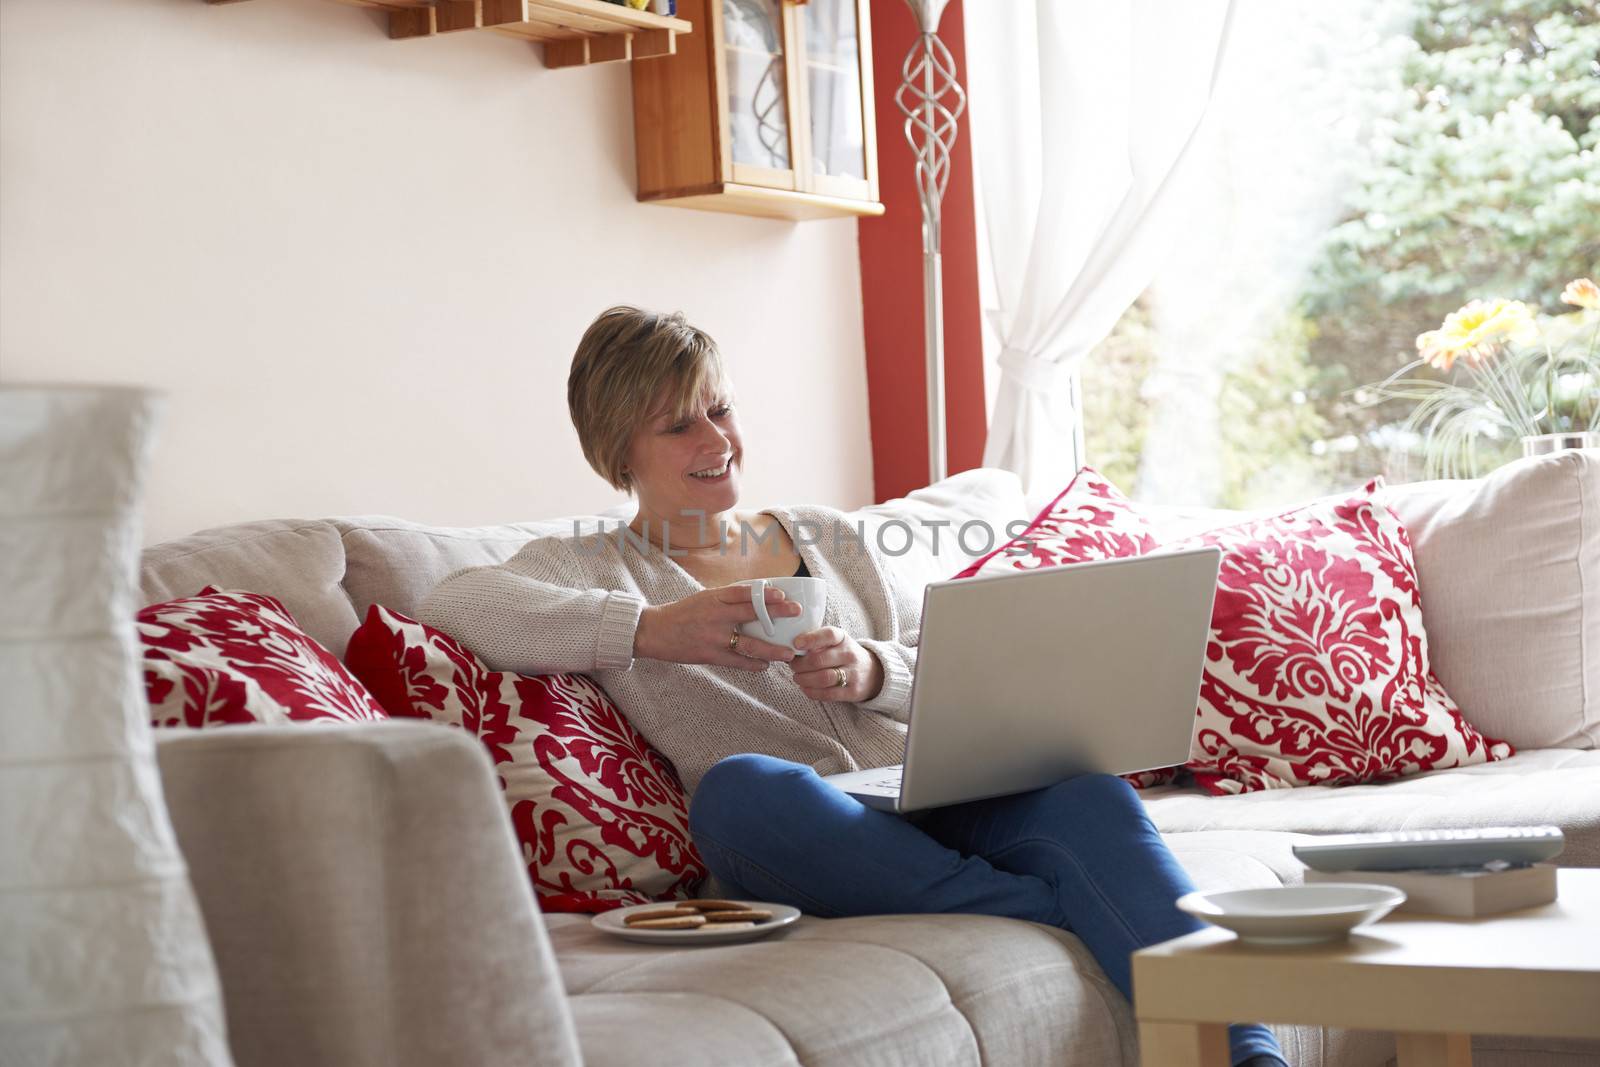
(1474, 332)
(1583, 293)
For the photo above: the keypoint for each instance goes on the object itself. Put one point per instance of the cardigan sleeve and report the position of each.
(898, 652)
(532, 615)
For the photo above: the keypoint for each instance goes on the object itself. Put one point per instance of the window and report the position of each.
(1388, 175)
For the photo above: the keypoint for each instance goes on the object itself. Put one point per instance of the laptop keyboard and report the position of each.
(890, 782)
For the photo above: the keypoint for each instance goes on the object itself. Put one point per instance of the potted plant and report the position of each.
(1504, 372)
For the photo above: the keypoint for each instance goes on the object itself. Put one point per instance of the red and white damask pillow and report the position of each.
(1087, 521)
(602, 817)
(230, 657)
(1316, 670)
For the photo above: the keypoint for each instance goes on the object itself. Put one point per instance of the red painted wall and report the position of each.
(891, 280)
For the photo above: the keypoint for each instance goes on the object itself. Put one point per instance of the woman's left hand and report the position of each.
(828, 651)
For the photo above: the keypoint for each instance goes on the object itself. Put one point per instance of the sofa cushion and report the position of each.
(894, 989)
(299, 562)
(328, 572)
(1560, 787)
(1510, 573)
(898, 989)
(397, 563)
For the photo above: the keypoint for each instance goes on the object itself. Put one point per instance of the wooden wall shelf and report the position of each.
(767, 110)
(574, 33)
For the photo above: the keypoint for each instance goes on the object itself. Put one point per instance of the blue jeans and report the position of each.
(1082, 856)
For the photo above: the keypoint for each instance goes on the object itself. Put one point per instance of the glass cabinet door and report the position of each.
(758, 106)
(833, 81)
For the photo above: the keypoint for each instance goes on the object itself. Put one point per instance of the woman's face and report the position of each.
(688, 464)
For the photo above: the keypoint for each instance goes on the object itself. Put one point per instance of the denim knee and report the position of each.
(1104, 794)
(728, 794)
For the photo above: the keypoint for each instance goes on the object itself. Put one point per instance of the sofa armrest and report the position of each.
(364, 897)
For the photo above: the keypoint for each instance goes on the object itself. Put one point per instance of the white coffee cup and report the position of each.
(810, 593)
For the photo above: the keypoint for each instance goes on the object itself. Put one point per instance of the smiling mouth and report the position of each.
(715, 474)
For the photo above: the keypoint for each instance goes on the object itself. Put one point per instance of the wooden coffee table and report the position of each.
(1534, 973)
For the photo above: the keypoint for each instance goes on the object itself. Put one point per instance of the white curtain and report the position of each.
(1084, 117)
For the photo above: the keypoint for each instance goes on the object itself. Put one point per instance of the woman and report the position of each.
(653, 616)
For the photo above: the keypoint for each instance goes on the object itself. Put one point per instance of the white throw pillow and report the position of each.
(103, 952)
(1509, 568)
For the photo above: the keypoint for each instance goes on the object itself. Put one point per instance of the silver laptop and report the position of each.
(1027, 679)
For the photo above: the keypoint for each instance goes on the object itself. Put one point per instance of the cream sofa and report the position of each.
(367, 903)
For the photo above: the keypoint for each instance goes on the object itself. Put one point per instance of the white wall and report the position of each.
(359, 266)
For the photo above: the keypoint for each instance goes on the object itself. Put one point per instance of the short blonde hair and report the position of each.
(627, 362)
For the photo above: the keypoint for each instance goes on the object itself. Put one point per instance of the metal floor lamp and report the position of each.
(931, 100)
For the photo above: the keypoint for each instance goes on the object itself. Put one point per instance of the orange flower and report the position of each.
(1583, 293)
(1473, 333)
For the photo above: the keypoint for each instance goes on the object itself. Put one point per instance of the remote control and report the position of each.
(1414, 849)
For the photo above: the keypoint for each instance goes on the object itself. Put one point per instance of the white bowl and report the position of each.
(1294, 914)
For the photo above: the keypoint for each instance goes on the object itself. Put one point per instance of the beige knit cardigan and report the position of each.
(572, 603)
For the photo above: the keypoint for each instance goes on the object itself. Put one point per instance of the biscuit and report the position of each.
(676, 922)
(659, 913)
(712, 905)
(751, 916)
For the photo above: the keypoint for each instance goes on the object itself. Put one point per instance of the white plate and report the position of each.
(1294, 914)
(709, 934)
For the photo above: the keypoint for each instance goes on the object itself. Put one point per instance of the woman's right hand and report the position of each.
(699, 628)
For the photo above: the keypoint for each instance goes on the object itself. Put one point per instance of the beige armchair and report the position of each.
(364, 897)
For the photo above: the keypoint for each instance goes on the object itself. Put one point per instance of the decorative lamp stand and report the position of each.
(931, 100)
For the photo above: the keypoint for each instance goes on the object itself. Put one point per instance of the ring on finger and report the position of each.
(842, 676)
(733, 641)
